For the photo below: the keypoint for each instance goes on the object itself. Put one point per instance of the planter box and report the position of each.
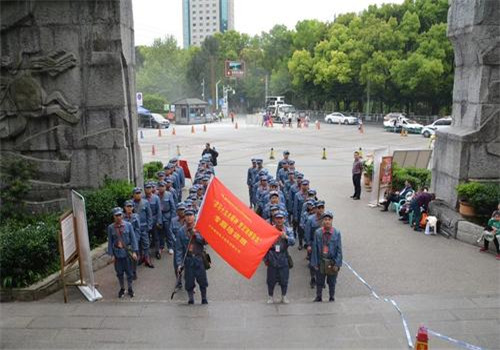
(53, 283)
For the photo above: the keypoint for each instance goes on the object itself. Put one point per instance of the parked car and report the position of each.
(394, 115)
(439, 124)
(153, 120)
(339, 118)
(210, 118)
(396, 124)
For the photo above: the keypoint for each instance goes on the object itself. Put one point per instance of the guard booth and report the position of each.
(190, 111)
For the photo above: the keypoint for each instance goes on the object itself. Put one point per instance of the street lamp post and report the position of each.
(217, 95)
(203, 89)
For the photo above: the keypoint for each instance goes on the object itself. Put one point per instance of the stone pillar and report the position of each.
(470, 149)
(67, 102)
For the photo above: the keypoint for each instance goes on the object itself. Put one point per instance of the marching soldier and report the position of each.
(156, 229)
(276, 259)
(190, 244)
(122, 245)
(133, 219)
(286, 155)
(326, 256)
(167, 212)
(175, 226)
(143, 209)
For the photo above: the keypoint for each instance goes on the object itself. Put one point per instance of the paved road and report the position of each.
(442, 282)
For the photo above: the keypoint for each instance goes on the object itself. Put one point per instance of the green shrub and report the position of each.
(483, 197)
(417, 177)
(150, 169)
(14, 178)
(154, 103)
(28, 250)
(98, 204)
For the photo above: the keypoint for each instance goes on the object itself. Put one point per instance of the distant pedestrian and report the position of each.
(213, 153)
(143, 209)
(122, 246)
(276, 259)
(360, 125)
(357, 169)
(326, 256)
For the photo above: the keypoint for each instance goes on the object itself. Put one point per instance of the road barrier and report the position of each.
(318, 125)
(324, 154)
(173, 131)
(142, 134)
(271, 156)
(159, 131)
(236, 125)
(178, 150)
(153, 150)
(204, 128)
(192, 129)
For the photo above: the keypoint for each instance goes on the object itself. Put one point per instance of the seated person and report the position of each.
(395, 197)
(418, 203)
(492, 233)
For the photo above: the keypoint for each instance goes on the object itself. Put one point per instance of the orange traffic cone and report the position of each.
(153, 150)
(204, 128)
(159, 132)
(173, 131)
(192, 129)
(422, 339)
(236, 125)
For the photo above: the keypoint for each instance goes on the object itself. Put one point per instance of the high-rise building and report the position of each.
(202, 18)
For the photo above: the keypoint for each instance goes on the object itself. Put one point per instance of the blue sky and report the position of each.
(158, 18)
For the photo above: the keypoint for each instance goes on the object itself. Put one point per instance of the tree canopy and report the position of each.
(398, 54)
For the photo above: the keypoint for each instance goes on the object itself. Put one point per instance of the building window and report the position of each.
(208, 17)
(201, 18)
(215, 17)
(194, 24)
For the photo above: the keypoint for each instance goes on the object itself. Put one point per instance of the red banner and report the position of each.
(184, 165)
(234, 231)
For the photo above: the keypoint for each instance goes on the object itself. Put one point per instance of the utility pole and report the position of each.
(217, 95)
(368, 98)
(203, 89)
(267, 89)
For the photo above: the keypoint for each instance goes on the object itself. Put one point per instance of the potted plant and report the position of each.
(368, 173)
(466, 192)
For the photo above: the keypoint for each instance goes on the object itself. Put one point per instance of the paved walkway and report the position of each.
(443, 283)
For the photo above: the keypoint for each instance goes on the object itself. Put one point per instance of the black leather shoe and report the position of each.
(130, 293)
(191, 302)
(204, 301)
(158, 255)
(332, 299)
(318, 300)
(121, 293)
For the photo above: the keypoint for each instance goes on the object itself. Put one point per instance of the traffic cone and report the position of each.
(159, 132)
(324, 154)
(236, 125)
(142, 135)
(422, 342)
(173, 131)
(204, 128)
(192, 129)
(153, 150)
(271, 156)
(178, 151)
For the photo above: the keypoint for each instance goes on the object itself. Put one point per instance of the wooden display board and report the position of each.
(74, 247)
(68, 248)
